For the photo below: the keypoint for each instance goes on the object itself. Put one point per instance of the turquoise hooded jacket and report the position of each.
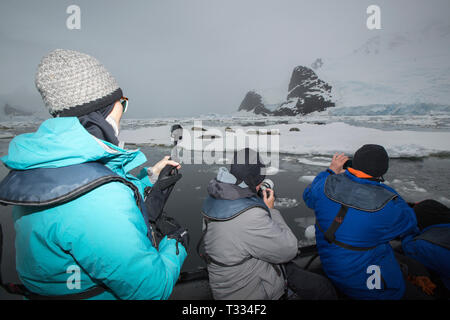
(100, 237)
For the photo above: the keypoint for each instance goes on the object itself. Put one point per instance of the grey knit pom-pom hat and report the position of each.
(73, 84)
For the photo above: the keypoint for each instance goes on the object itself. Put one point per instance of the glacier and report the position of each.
(393, 68)
(415, 109)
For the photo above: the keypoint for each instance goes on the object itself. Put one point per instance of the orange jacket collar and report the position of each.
(359, 174)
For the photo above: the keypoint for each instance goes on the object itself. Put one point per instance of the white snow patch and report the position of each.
(313, 139)
(304, 222)
(310, 232)
(444, 200)
(315, 161)
(285, 203)
(272, 170)
(307, 179)
(405, 187)
(6, 135)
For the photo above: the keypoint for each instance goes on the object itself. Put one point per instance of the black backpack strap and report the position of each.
(90, 293)
(20, 289)
(330, 236)
(330, 233)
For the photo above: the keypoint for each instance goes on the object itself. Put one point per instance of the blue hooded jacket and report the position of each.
(350, 270)
(101, 233)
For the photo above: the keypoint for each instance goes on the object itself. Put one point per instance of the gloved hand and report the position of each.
(180, 235)
(168, 226)
(156, 197)
(160, 165)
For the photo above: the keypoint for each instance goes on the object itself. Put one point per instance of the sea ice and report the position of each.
(285, 203)
(307, 179)
(313, 140)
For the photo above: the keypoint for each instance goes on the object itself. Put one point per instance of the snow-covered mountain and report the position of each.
(404, 73)
(405, 68)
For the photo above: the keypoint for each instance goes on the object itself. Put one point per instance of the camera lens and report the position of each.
(266, 184)
(347, 164)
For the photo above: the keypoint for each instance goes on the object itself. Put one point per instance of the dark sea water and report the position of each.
(414, 179)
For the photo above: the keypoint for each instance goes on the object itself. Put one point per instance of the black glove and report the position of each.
(156, 197)
(181, 235)
(168, 226)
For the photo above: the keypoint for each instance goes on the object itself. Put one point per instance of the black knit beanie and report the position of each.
(247, 167)
(371, 159)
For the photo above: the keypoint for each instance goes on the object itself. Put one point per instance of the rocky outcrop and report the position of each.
(15, 111)
(306, 93)
(253, 103)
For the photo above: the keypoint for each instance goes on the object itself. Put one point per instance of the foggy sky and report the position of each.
(191, 57)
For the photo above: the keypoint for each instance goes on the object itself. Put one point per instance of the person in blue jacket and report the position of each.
(431, 248)
(356, 217)
(99, 238)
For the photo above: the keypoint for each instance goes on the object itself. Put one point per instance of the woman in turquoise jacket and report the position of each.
(100, 237)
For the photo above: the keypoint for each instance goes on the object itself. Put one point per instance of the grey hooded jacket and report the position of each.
(267, 239)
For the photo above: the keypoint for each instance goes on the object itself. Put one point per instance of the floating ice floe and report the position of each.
(315, 161)
(285, 203)
(310, 232)
(313, 140)
(6, 135)
(307, 179)
(444, 200)
(304, 222)
(406, 187)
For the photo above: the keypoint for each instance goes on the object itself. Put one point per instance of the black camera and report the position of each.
(347, 164)
(266, 184)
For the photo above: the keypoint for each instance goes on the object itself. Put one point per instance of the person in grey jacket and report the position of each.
(246, 241)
